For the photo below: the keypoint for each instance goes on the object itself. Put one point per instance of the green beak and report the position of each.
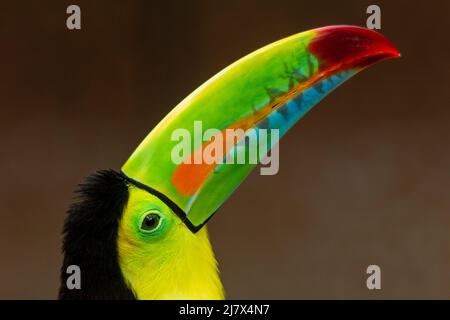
(271, 88)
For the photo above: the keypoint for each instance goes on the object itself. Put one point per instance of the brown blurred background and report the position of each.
(364, 178)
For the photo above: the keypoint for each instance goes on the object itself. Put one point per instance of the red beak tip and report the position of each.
(351, 44)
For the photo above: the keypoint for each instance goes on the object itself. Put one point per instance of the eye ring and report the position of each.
(150, 222)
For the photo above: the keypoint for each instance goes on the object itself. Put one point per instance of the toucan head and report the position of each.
(139, 233)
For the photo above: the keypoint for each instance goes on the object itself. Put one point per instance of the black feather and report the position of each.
(90, 238)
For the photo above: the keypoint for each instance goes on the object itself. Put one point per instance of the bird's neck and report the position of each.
(186, 271)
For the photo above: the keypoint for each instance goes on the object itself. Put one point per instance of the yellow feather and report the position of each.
(174, 264)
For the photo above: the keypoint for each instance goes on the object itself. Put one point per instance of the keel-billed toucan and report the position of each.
(139, 233)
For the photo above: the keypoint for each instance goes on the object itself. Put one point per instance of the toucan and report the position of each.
(139, 233)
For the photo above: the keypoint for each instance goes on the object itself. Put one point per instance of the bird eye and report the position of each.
(150, 222)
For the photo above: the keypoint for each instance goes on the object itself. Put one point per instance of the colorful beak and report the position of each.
(271, 88)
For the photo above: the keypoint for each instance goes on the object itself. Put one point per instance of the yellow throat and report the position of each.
(175, 265)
